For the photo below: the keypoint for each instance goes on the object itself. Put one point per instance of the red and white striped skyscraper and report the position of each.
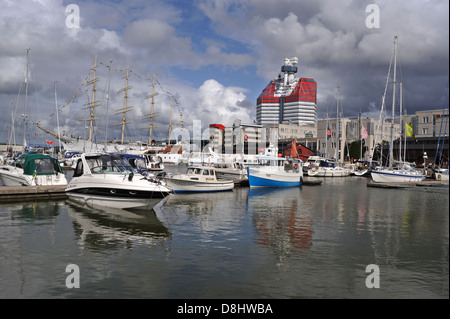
(288, 99)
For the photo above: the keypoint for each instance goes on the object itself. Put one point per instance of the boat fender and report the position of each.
(295, 166)
(130, 177)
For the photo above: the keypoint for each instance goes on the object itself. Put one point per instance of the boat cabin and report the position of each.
(38, 164)
(201, 172)
(288, 164)
(103, 164)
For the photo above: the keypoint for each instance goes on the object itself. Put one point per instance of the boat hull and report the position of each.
(323, 172)
(395, 177)
(258, 177)
(114, 202)
(113, 191)
(15, 177)
(191, 186)
(442, 177)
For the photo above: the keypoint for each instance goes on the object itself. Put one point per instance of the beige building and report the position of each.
(428, 123)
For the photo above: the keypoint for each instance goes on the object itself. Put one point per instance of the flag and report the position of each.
(328, 133)
(50, 142)
(409, 130)
(364, 132)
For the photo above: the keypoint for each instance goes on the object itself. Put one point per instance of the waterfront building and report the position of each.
(428, 123)
(239, 138)
(288, 99)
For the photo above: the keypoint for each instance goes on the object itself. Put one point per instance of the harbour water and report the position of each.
(307, 242)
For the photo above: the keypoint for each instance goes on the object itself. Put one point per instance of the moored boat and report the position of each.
(328, 168)
(109, 180)
(397, 175)
(275, 172)
(33, 170)
(232, 170)
(198, 179)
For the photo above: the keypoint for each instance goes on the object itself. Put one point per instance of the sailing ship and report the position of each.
(403, 172)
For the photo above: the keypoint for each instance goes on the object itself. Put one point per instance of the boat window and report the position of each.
(190, 171)
(44, 166)
(205, 172)
(109, 164)
(78, 169)
(19, 162)
(198, 171)
(211, 172)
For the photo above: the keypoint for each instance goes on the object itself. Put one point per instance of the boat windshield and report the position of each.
(109, 164)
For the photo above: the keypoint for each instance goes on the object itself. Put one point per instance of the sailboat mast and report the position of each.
(391, 145)
(107, 103)
(26, 136)
(336, 152)
(401, 125)
(57, 119)
(152, 111)
(170, 118)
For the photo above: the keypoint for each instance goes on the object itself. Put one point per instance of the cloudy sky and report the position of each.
(214, 56)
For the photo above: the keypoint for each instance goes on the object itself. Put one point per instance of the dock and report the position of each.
(22, 193)
(426, 183)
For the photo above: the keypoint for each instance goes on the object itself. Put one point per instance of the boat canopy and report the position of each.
(38, 164)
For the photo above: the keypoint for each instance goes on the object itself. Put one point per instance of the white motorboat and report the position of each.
(275, 172)
(109, 180)
(328, 168)
(198, 179)
(33, 170)
(232, 170)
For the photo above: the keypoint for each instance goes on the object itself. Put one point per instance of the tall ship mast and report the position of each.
(152, 112)
(91, 105)
(125, 108)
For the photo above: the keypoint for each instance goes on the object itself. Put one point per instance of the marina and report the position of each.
(277, 161)
(294, 242)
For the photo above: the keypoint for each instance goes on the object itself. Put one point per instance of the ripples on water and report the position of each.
(308, 242)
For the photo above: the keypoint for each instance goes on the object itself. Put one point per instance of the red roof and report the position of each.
(219, 126)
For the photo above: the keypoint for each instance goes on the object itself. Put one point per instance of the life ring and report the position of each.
(296, 166)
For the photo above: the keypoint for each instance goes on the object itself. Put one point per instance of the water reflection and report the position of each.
(36, 210)
(280, 221)
(109, 228)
